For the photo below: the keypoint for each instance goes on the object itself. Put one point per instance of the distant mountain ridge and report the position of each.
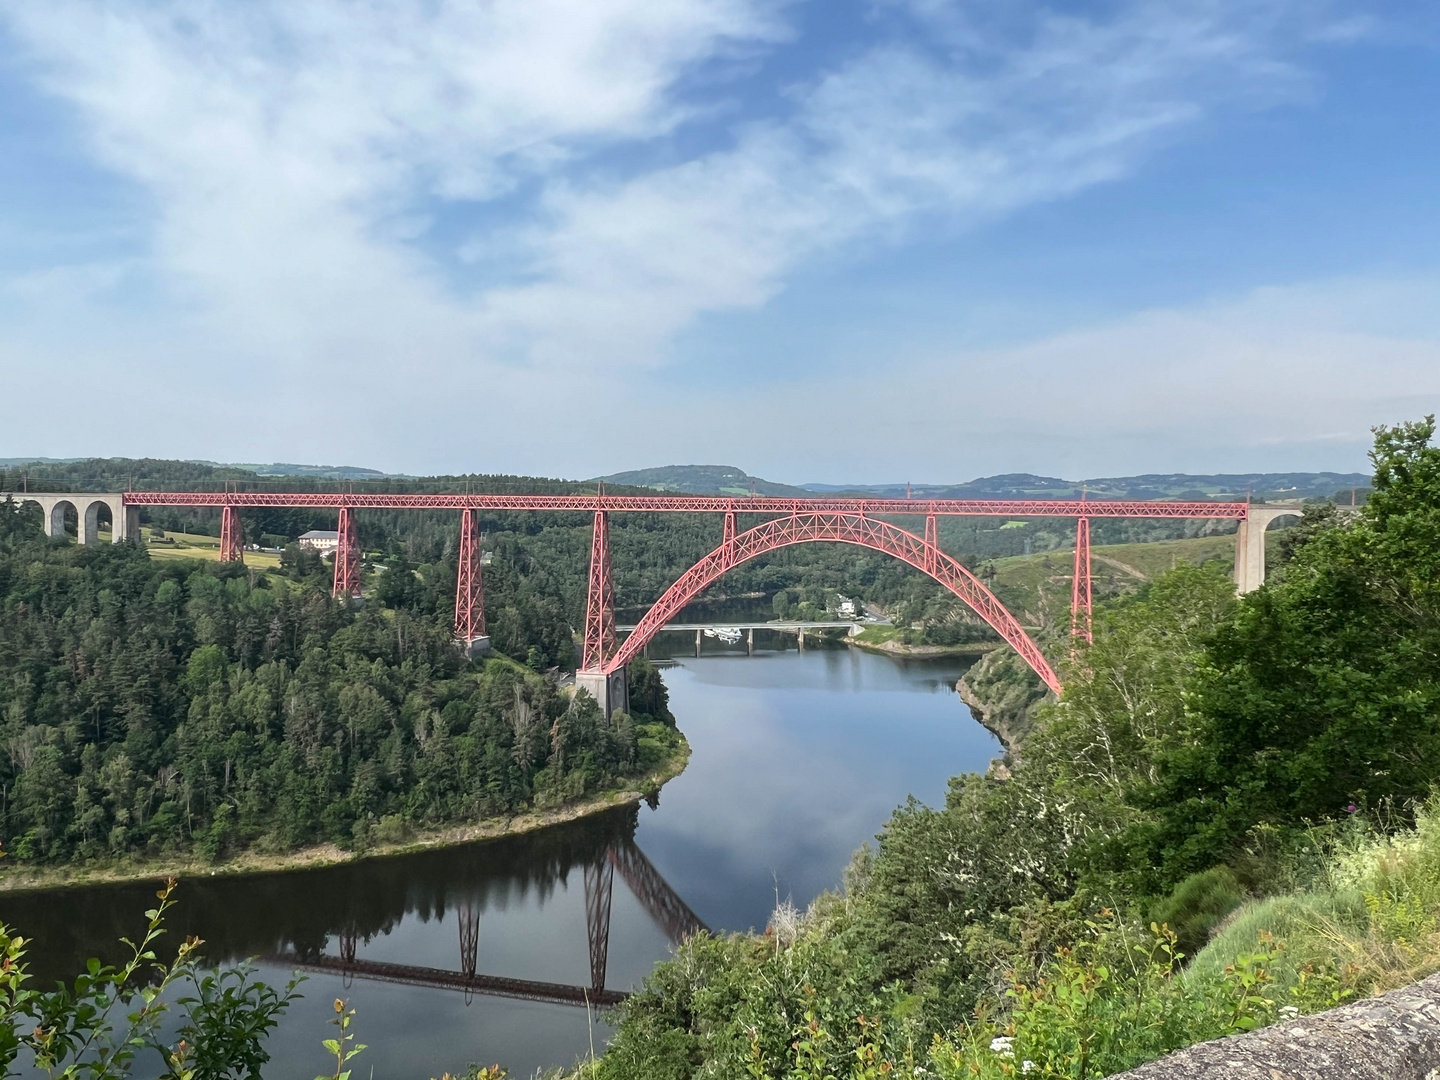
(730, 480)
(701, 480)
(324, 472)
(321, 472)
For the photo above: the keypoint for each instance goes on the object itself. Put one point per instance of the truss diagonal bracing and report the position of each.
(1080, 595)
(843, 528)
(600, 600)
(347, 556)
(232, 535)
(697, 504)
(469, 584)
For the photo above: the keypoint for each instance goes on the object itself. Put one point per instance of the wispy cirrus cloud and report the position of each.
(989, 120)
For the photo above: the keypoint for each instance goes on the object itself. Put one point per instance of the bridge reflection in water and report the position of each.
(318, 920)
(664, 906)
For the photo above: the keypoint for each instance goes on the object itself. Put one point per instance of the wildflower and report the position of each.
(1001, 1045)
(1350, 808)
(1026, 1066)
(1289, 1012)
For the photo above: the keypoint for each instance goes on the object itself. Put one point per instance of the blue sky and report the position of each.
(824, 240)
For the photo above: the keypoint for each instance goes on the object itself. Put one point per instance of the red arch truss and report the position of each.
(841, 528)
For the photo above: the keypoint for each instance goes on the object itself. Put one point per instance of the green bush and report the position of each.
(98, 1026)
(393, 829)
(1197, 906)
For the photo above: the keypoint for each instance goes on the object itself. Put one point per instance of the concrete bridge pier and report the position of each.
(611, 691)
(125, 520)
(1250, 545)
(474, 647)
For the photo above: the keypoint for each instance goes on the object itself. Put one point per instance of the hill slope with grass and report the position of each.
(702, 480)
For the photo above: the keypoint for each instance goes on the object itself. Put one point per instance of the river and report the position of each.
(798, 759)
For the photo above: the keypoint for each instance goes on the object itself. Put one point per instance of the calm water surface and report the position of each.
(798, 759)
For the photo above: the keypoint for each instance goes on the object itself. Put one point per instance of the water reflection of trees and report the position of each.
(308, 911)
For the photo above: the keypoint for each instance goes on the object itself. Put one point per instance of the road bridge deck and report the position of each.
(692, 504)
(786, 627)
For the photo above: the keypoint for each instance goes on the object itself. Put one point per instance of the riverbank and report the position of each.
(1003, 694)
(19, 878)
(887, 640)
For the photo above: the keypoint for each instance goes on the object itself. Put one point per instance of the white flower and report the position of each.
(1026, 1065)
(1001, 1045)
(1289, 1012)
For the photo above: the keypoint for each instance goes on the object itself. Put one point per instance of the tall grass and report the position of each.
(1371, 916)
(1366, 920)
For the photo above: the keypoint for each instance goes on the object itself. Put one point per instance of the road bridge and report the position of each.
(722, 630)
(784, 521)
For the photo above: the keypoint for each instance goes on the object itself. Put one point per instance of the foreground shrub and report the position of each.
(85, 1030)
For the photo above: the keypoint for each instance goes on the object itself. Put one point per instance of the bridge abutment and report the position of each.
(1250, 545)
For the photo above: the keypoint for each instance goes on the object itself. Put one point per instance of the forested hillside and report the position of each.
(149, 707)
(1241, 781)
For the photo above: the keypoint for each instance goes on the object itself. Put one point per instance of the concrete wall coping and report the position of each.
(1392, 1037)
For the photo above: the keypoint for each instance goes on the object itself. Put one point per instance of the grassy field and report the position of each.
(895, 640)
(1037, 587)
(199, 546)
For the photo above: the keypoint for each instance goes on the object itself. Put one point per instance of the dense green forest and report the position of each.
(151, 706)
(1271, 754)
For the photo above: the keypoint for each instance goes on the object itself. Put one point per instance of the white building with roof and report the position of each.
(322, 540)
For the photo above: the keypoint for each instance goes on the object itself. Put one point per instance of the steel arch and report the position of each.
(840, 528)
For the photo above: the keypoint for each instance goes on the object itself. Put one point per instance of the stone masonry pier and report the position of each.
(124, 519)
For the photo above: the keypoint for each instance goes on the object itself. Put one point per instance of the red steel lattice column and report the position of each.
(469, 583)
(932, 544)
(600, 599)
(468, 924)
(599, 888)
(347, 556)
(232, 535)
(1080, 583)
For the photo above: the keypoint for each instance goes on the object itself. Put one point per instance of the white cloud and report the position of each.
(294, 152)
(893, 136)
(280, 140)
(1283, 378)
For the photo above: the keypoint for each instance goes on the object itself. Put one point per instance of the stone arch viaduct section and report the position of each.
(125, 520)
